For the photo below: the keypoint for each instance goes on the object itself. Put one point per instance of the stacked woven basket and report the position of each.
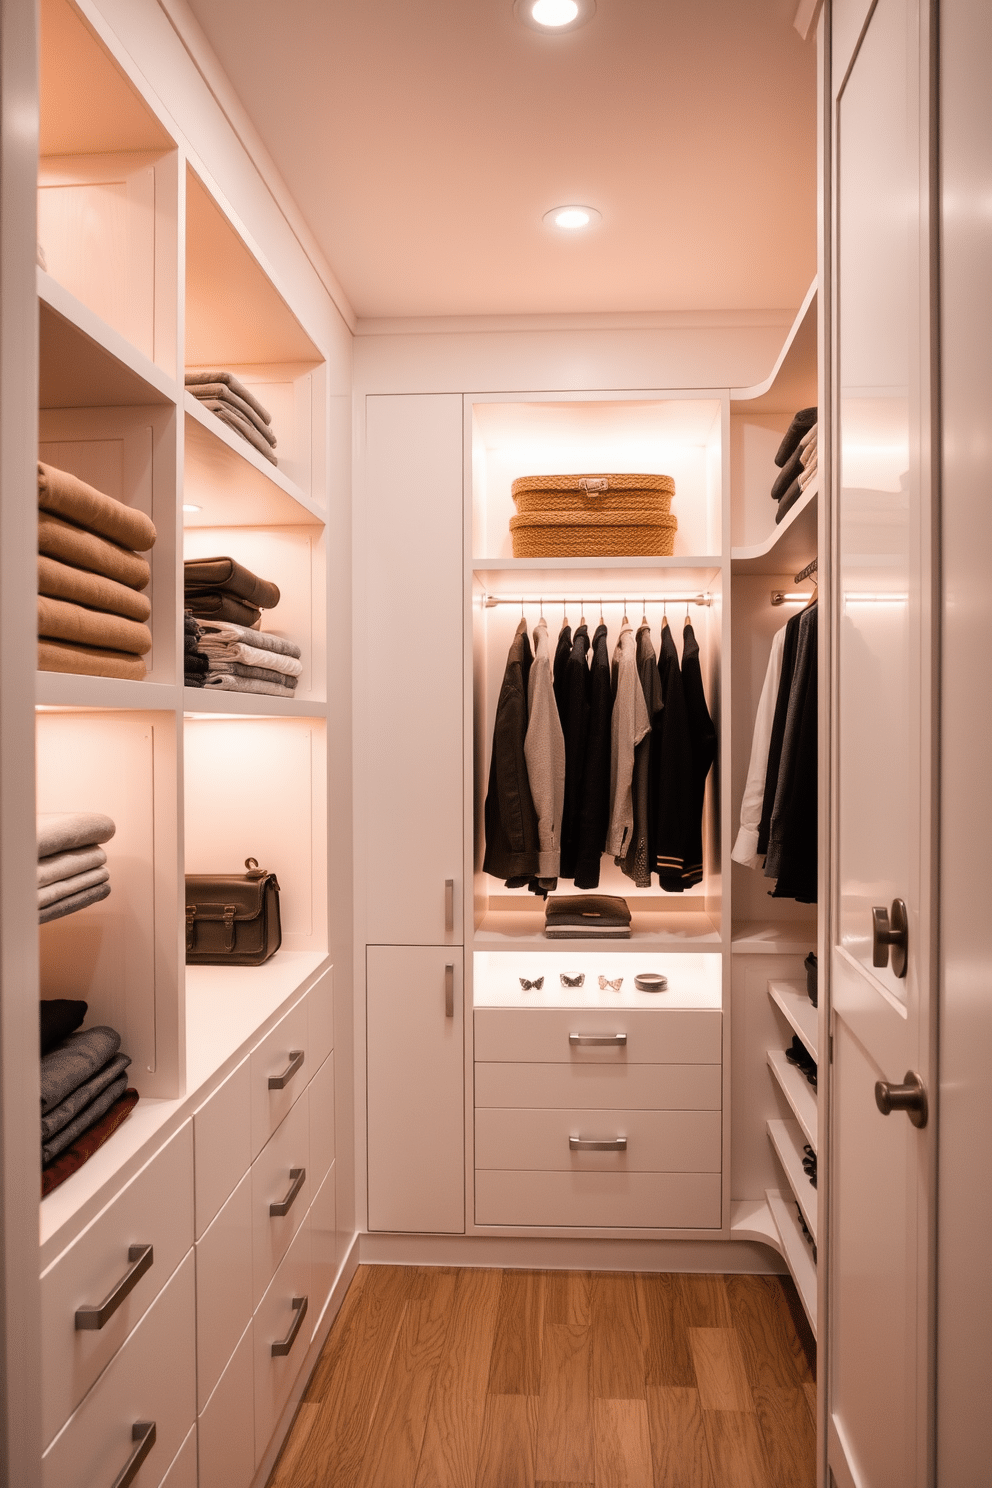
(593, 516)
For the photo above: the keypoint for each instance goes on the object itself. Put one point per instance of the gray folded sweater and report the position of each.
(87, 1117)
(61, 831)
(60, 1116)
(75, 1061)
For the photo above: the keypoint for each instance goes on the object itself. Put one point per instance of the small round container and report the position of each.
(651, 981)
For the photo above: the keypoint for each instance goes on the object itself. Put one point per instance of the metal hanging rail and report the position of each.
(593, 596)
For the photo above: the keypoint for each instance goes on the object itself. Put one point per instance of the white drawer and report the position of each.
(224, 1296)
(151, 1379)
(182, 1473)
(227, 1427)
(321, 1093)
(599, 1200)
(277, 1058)
(286, 1152)
(320, 1015)
(156, 1209)
(222, 1143)
(274, 1321)
(597, 1087)
(323, 1247)
(547, 1035)
(656, 1141)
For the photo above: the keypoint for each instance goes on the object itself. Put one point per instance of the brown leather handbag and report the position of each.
(232, 919)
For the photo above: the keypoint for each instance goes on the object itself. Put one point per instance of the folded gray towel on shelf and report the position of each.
(195, 380)
(250, 655)
(224, 394)
(60, 1116)
(64, 888)
(226, 683)
(60, 831)
(82, 900)
(218, 667)
(227, 630)
(88, 1117)
(240, 425)
(67, 864)
(75, 1061)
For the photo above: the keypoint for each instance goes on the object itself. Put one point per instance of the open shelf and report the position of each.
(216, 703)
(67, 690)
(751, 1219)
(790, 546)
(797, 1091)
(232, 484)
(772, 937)
(791, 384)
(505, 929)
(800, 1013)
(85, 363)
(787, 1139)
(710, 565)
(796, 1249)
(693, 981)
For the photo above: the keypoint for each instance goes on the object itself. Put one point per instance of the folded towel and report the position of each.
(226, 683)
(195, 380)
(73, 545)
(218, 606)
(220, 392)
(240, 425)
(77, 1100)
(191, 644)
(58, 1017)
(808, 476)
(89, 661)
(214, 631)
(189, 624)
(66, 496)
(60, 620)
(801, 424)
(75, 1061)
(809, 438)
(206, 575)
(256, 656)
(72, 1158)
(59, 581)
(608, 911)
(82, 900)
(195, 661)
(87, 1117)
(64, 831)
(789, 500)
(195, 679)
(789, 472)
(64, 888)
(60, 866)
(218, 667)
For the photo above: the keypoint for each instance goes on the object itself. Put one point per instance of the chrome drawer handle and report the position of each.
(143, 1433)
(92, 1318)
(279, 1082)
(593, 1144)
(587, 1040)
(282, 1348)
(299, 1177)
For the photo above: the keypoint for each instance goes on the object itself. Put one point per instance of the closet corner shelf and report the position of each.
(789, 547)
(66, 690)
(795, 1247)
(233, 484)
(203, 702)
(506, 929)
(772, 937)
(787, 1139)
(85, 363)
(797, 1091)
(751, 1219)
(791, 999)
(791, 384)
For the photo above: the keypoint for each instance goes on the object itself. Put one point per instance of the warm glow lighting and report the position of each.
(188, 506)
(554, 12)
(572, 218)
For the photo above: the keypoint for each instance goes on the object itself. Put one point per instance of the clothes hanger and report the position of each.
(664, 613)
(644, 612)
(686, 620)
(625, 621)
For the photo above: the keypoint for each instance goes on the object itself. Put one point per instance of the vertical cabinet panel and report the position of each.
(410, 730)
(415, 1090)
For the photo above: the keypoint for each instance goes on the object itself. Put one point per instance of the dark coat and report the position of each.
(702, 738)
(573, 706)
(511, 821)
(594, 810)
(673, 793)
(778, 731)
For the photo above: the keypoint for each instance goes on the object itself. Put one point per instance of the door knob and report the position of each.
(890, 932)
(910, 1096)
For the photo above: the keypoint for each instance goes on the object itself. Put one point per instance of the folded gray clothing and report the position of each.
(190, 624)
(196, 380)
(191, 642)
(87, 1117)
(195, 661)
(64, 888)
(789, 500)
(223, 394)
(240, 425)
(260, 673)
(792, 468)
(195, 679)
(250, 655)
(226, 683)
(60, 1116)
(226, 630)
(66, 865)
(82, 900)
(60, 831)
(75, 1061)
(801, 424)
(576, 932)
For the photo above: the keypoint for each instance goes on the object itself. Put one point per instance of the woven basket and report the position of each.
(597, 516)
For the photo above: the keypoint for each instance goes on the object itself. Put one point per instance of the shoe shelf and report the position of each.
(507, 929)
(789, 546)
(786, 1138)
(797, 1091)
(796, 1249)
(800, 1014)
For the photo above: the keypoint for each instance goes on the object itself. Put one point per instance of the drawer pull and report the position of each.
(587, 1040)
(282, 1348)
(93, 1318)
(449, 991)
(143, 1434)
(597, 1144)
(299, 1177)
(449, 906)
(279, 1082)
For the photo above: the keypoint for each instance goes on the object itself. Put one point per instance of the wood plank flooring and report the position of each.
(443, 1378)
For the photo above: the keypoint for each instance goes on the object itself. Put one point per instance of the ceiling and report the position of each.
(424, 142)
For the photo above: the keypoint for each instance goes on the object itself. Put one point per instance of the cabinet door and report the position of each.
(410, 731)
(415, 1089)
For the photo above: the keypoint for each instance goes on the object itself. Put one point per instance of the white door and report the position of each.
(416, 1089)
(878, 1260)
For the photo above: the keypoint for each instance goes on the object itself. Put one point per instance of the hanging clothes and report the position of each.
(792, 845)
(746, 846)
(629, 724)
(563, 650)
(636, 864)
(778, 732)
(544, 751)
(573, 709)
(674, 776)
(511, 821)
(594, 811)
(702, 741)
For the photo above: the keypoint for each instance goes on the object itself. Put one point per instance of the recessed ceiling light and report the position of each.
(554, 15)
(188, 506)
(572, 219)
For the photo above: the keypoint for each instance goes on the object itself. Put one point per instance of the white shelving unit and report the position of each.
(795, 1248)
(797, 1091)
(787, 1139)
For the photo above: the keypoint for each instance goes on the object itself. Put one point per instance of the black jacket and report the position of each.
(793, 836)
(702, 739)
(573, 709)
(594, 810)
(674, 793)
(511, 821)
(778, 730)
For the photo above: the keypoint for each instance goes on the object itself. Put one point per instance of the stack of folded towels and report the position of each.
(236, 406)
(220, 589)
(242, 660)
(72, 865)
(92, 615)
(84, 1091)
(195, 662)
(796, 459)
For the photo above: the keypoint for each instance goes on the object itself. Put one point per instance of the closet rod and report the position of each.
(592, 596)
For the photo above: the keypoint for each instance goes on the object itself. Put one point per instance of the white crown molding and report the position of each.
(648, 320)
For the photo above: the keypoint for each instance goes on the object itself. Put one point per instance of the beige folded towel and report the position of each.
(60, 581)
(64, 495)
(70, 544)
(88, 661)
(59, 620)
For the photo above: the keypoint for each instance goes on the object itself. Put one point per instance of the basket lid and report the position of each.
(593, 485)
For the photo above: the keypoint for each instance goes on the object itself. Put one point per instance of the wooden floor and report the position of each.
(443, 1378)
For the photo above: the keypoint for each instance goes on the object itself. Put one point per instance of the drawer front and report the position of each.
(151, 1379)
(273, 1321)
(599, 1200)
(321, 1094)
(224, 1295)
(182, 1473)
(320, 1017)
(287, 1151)
(226, 1428)
(591, 1087)
(323, 1247)
(156, 1209)
(272, 1061)
(541, 1035)
(222, 1144)
(656, 1141)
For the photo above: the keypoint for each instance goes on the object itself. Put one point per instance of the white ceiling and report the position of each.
(424, 141)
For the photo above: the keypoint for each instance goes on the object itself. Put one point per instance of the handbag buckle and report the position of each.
(190, 925)
(229, 913)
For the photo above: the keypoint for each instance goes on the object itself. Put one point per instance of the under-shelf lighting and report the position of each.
(191, 506)
(572, 219)
(554, 16)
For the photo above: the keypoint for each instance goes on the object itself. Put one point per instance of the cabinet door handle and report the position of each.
(143, 1434)
(279, 1082)
(588, 1040)
(282, 1348)
(449, 906)
(92, 1318)
(890, 936)
(299, 1177)
(449, 991)
(594, 1144)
